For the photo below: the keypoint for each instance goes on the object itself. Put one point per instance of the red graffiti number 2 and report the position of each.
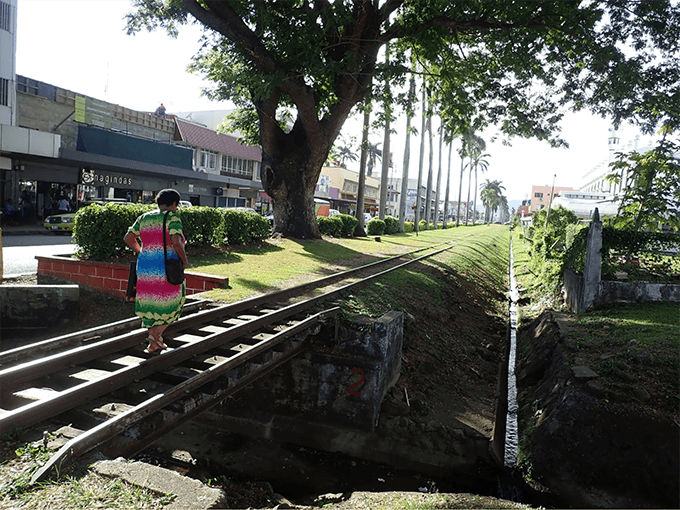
(353, 388)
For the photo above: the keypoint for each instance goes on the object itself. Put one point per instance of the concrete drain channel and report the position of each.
(511, 428)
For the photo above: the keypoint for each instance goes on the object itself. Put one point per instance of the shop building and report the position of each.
(220, 156)
(102, 150)
(340, 187)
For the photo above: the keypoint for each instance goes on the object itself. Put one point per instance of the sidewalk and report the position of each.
(26, 229)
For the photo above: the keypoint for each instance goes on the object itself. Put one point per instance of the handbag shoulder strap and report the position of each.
(165, 244)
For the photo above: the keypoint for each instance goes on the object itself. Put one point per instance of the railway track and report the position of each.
(98, 388)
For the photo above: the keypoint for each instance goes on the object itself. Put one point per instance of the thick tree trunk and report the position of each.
(289, 175)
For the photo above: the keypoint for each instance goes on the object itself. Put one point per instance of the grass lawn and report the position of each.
(279, 263)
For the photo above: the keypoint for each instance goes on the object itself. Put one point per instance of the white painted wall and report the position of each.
(8, 43)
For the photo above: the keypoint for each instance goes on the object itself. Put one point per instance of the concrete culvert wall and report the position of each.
(25, 308)
(339, 383)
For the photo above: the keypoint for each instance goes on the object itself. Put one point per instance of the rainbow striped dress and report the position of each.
(157, 302)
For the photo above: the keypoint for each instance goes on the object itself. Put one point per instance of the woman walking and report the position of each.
(158, 303)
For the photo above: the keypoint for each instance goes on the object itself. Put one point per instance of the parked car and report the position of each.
(62, 223)
(185, 203)
(242, 209)
(333, 212)
(367, 218)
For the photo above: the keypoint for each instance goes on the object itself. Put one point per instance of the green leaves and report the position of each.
(651, 187)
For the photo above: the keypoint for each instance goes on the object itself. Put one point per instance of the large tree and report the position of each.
(518, 62)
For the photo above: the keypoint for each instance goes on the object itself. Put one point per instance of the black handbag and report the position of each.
(131, 291)
(174, 268)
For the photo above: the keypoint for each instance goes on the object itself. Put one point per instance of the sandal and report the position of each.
(155, 345)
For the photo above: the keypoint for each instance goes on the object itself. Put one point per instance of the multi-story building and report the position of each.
(57, 143)
(17, 143)
(340, 187)
(103, 150)
(542, 196)
(237, 165)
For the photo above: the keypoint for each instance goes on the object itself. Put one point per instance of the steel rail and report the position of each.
(46, 408)
(114, 426)
(44, 347)
(13, 377)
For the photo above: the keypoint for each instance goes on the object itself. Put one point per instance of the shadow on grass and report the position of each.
(255, 285)
(207, 258)
(321, 249)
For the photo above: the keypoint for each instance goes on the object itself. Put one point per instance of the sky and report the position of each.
(81, 45)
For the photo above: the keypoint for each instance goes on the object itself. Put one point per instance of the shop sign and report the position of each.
(92, 178)
(93, 112)
(197, 189)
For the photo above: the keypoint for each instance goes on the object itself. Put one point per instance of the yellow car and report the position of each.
(63, 223)
(60, 223)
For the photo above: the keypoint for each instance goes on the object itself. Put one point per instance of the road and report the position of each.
(19, 252)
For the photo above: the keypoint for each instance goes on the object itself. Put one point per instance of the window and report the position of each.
(232, 165)
(5, 16)
(538, 195)
(208, 159)
(4, 92)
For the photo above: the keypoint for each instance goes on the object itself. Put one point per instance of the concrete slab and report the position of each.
(189, 493)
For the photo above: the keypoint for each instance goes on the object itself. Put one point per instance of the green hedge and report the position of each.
(391, 225)
(330, 226)
(409, 226)
(98, 230)
(375, 227)
(349, 224)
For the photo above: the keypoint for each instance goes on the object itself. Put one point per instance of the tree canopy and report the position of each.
(517, 65)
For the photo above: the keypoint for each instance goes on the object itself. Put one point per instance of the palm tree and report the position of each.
(475, 146)
(373, 154)
(491, 196)
(345, 152)
(479, 163)
(407, 152)
(465, 143)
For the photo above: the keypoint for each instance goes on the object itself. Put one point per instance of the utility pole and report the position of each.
(552, 193)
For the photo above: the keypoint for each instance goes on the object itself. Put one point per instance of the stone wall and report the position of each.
(24, 306)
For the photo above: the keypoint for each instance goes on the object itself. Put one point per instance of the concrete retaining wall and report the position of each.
(632, 292)
(112, 278)
(30, 307)
(345, 386)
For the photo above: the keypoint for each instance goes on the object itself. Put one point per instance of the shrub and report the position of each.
(375, 227)
(244, 227)
(391, 225)
(330, 226)
(409, 226)
(202, 226)
(259, 227)
(98, 230)
(421, 225)
(349, 224)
